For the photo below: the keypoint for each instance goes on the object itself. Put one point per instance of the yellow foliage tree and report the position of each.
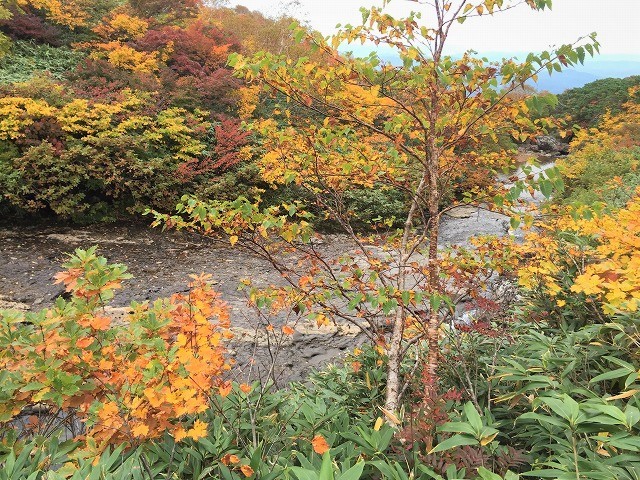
(121, 26)
(71, 13)
(602, 254)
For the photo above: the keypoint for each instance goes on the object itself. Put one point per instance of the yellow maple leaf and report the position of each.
(198, 431)
(141, 430)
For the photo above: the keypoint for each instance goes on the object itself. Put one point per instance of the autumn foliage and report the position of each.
(587, 261)
(604, 161)
(125, 379)
(145, 109)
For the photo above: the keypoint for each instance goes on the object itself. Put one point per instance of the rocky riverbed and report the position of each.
(161, 263)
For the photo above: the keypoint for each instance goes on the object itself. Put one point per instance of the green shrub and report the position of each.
(376, 206)
(586, 105)
(28, 59)
(598, 174)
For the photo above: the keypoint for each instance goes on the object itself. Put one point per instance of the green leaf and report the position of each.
(546, 473)
(354, 473)
(473, 417)
(453, 442)
(546, 188)
(304, 474)
(566, 407)
(457, 427)
(611, 375)
(431, 473)
(543, 418)
(326, 470)
(298, 35)
(611, 411)
(488, 475)
(389, 305)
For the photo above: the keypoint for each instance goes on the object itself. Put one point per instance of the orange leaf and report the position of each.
(229, 458)
(225, 389)
(68, 277)
(287, 330)
(105, 364)
(245, 388)
(320, 445)
(84, 342)
(100, 323)
(247, 470)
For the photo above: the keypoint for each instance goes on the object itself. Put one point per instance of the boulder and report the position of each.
(463, 211)
(549, 144)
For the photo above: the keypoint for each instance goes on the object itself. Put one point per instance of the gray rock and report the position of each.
(464, 211)
(549, 144)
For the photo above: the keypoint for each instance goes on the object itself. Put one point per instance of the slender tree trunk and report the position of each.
(392, 393)
(430, 373)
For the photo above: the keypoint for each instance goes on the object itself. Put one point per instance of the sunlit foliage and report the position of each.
(125, 380)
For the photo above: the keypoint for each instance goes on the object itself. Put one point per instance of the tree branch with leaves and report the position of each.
(342, 122)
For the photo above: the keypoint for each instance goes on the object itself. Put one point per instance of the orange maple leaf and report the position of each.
(320, 445)
(69, 278)
(247, 470)
(84, 342)
(287, 330)
(100, 323)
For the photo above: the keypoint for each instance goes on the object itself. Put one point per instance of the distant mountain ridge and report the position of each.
(594, 69)
(599, 67)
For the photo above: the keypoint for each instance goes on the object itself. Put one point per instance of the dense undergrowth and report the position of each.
(119, 106)
(122, 106)
(549, 391)
(603, 165)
